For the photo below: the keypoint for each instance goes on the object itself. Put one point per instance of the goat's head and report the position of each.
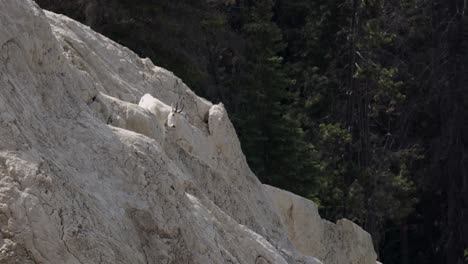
(175, 111)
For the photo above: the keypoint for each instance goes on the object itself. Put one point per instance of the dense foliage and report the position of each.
(358, 105)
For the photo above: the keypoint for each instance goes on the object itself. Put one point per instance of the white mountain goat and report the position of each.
(181, 131)
(128, 116)
(173, 115)
(166, 115)
(155, 106)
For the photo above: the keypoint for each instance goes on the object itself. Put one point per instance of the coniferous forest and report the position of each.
(358, 105)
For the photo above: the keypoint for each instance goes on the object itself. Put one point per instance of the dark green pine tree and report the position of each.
(270, 136)
(341, 56)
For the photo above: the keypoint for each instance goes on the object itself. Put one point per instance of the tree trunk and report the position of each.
(404, 250)
(453, 159)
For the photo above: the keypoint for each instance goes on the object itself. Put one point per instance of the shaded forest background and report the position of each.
(359, 105)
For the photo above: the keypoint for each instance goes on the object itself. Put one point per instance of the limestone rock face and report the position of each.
(87, 175)
(343, 242)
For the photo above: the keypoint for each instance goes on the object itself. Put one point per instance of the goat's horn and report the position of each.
(182, 108)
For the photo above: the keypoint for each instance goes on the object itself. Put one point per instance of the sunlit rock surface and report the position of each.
(87, 175)
(343, 242)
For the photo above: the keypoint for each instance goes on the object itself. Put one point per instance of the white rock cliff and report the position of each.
(90, 173)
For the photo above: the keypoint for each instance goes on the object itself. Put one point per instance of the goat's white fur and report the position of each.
(155, 106)
(167, 115)
(172, 119)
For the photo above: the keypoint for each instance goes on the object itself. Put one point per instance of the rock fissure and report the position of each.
(6, 46)
(29, 256)
(62, 236)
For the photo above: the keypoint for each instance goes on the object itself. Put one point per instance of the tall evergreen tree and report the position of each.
(351, 94)
(270, 135)
(450, 44)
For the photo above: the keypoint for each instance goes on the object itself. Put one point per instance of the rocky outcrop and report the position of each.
(174, 34)
(343, 242)
(87, 175)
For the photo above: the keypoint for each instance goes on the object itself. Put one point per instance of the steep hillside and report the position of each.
(367, 98)
(107, 158)
(187, 37)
